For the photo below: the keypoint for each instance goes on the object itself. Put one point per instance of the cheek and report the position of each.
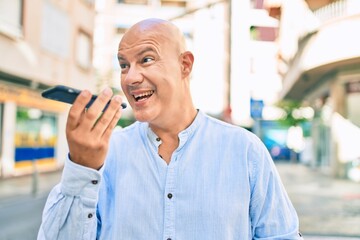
(123, 87)
(170, 92)
(122, 80)
(123, 83)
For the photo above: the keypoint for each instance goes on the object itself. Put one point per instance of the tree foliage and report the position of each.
(290, 107)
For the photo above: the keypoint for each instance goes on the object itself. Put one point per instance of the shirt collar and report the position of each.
(183, 135)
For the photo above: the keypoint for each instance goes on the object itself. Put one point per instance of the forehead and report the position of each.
(135, 46)
(159, 36)
(138, 50)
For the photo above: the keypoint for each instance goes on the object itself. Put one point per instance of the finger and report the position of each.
(82, 116)
(96, 108)
(111, 126)
(106, 118)
(77, 109)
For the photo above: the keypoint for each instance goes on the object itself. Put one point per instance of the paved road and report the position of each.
(20, 208)
(20, 218)
(326, 206)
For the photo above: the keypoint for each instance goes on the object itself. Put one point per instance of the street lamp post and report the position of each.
(35, 115)
(35, 175)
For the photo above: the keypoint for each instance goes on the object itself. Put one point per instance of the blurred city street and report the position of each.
(21, 204)
(328, 208)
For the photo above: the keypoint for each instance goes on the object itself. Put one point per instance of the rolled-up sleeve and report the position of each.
(70, 210)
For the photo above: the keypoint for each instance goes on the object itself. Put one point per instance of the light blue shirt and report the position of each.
(221, 184)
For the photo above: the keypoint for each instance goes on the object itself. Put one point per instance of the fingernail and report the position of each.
(107, 91)
(85, 93)
(117, 98)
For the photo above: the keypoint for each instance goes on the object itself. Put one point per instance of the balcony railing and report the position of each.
(341, 8)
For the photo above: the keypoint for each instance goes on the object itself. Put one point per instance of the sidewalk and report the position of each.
(24, 186)
(326, 206)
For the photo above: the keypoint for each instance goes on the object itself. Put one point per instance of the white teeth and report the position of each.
(144, 94)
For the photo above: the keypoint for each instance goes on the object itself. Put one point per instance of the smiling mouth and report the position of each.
(143, 96)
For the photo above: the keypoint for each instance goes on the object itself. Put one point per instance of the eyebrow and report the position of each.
(147, 49)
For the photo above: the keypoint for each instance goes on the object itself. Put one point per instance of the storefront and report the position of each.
(336, 126)
(35, 137)
(32, 131)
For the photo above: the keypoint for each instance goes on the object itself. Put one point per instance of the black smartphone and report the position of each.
(68, 95)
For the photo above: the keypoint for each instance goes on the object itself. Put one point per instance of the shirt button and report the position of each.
(169, 195)
(90, 215)
(94, 182)
(168, 239)
(158, 139)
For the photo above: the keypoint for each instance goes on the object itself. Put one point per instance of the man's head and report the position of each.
(155, 70)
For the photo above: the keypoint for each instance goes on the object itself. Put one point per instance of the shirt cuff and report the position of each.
(78, 180)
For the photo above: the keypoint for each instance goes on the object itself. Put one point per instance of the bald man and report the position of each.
(176, 173)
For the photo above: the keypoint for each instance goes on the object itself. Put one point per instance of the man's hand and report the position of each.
(88, 131)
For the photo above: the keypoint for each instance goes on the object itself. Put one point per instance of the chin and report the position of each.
(142, 116)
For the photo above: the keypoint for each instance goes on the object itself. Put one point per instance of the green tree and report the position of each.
(292, 110)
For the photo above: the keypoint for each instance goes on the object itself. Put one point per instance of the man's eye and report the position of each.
(148, 59)
(123, 65)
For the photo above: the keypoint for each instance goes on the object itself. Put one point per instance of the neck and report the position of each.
(174, 123)
(169, 132)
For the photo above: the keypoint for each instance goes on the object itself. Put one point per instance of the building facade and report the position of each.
(319, 60)
(42, 43)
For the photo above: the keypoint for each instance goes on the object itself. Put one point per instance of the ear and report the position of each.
(187, 61)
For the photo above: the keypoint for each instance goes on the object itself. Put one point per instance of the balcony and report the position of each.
(330, 48)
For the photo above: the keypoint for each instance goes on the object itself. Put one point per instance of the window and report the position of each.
(55, 30)
(173, 3)
(35, 136)
(258, 4)
(11, 21)
(83, 50)
(258, 33)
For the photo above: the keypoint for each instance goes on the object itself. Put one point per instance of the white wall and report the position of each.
(8, 139)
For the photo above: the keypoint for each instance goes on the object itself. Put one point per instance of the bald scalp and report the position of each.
(162, 29)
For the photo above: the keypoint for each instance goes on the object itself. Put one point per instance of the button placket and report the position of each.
(169, 208)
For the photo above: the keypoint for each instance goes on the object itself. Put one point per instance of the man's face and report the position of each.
(150, 74)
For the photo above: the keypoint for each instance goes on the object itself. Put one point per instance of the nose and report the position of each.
(133, 76)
